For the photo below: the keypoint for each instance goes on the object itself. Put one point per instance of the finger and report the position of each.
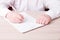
(21, 20)
(16, 20)
(18, 17)
(43, 21)
(21, 16)
(37, 21)
(46, 22)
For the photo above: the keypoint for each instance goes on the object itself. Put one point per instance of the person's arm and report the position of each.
(4, 7)
(54, 8)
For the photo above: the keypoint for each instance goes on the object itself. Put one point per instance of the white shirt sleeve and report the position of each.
(4, 7)
(3, 10)
(54, 8)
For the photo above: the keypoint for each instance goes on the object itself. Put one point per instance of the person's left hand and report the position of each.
(43, 19)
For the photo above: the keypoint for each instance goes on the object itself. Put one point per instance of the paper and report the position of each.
(28, 24)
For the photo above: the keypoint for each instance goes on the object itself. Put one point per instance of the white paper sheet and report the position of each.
(28, 24)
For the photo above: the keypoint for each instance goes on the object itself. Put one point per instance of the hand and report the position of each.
(44, 19)
(14, 17)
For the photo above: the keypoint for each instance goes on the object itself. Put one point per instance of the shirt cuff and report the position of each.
(4, 11)
(53, 14)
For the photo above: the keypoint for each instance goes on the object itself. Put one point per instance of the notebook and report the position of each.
(28, 24)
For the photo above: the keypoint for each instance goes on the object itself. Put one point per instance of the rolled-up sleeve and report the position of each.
(54, 8)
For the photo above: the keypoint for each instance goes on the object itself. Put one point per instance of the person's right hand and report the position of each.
(15, 17)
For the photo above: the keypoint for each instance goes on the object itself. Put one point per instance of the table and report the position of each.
(48, 32)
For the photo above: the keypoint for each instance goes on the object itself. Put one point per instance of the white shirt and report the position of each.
(37, 5)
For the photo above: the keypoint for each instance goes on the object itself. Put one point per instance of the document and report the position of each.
(28, 24)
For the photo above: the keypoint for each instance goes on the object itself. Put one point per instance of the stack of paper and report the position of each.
(28, 24)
